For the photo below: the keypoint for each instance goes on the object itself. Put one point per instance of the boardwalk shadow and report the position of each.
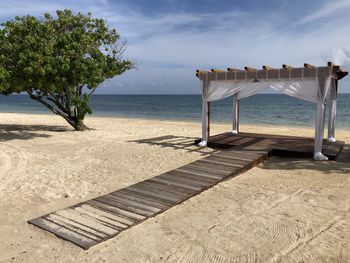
(176, 142)
(10, 132)
(326, 167)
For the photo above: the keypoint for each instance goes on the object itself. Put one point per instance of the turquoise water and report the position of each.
(272, 109)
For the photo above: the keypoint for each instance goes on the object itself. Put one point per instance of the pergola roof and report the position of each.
(286, 72)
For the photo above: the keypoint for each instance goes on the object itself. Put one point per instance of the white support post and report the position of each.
(332, 111)
(205, 124)
(319, 132)
(235, 117)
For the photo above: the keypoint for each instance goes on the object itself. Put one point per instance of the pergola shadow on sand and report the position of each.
(314, 84)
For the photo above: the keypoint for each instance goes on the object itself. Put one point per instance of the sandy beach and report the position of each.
(284, 210)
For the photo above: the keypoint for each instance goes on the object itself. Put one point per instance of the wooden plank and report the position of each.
(237, 140)
(249, 154)
(332, 149)
(217, 160)
(344, 155)
(69, 228)
(237, 156)
(146, 197)
(201, 174)
(170, 199)
(219, 137)
(117, 219)
(101, 219)
(285, 66)
(218, 171)
(170, 195)
(116, 210)
(267, 67)
(62, 232)
(81, 224)
(195, 175)
(306, 65)
(135, 204)
(212, 171)
(186, 178)
(111, 202)
(170, 181)
(140, 209)
(183, 181)
(234, 69)
(172, 189)
(217, 70)
(250, 69)
(229, 139)
(141, 199)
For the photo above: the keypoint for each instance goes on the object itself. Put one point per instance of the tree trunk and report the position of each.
(79, 125)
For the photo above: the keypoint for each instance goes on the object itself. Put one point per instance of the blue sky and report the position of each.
(170, 39)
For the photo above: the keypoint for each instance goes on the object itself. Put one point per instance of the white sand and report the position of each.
(287, 210)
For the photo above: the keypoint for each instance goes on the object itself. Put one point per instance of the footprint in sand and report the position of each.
(13, 162)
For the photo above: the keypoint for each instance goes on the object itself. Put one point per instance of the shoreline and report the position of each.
(213, 122)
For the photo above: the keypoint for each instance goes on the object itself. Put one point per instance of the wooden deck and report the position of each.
(344, 155)
(287, 146)
(91, 222)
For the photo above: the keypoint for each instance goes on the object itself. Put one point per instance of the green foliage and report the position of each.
(54, 58)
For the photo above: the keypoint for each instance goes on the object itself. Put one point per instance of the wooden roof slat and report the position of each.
(202, 71)
(267, 67)
(217, 70)
(199, 71)
(306, 65)
(339, 73)
(233, 69)
(250, 69)
(285, 66)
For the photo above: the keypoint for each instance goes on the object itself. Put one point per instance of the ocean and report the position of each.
(271, 109)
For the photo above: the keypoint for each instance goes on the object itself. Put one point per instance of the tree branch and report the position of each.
(91, 92)
(69, 100)
(57, 102)
(50, 107)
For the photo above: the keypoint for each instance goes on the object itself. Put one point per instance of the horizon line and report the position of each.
(170, 94)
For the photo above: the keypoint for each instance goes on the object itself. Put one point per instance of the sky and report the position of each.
(169, 39)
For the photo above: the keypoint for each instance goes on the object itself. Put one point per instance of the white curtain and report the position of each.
(302, 89)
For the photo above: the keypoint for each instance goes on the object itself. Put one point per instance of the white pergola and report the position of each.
(314, 84)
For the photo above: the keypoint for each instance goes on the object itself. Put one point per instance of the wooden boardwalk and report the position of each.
(91, 222)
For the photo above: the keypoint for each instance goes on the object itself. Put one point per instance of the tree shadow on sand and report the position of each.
(177, 143)
(10, 132)
(326, 167)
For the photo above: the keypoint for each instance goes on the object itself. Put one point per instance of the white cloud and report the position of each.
(170, 46)
(340, 56)
(327, 10)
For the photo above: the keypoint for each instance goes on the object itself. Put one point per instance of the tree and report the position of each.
(54, 60)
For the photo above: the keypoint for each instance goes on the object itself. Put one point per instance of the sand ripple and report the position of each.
(13, 162)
